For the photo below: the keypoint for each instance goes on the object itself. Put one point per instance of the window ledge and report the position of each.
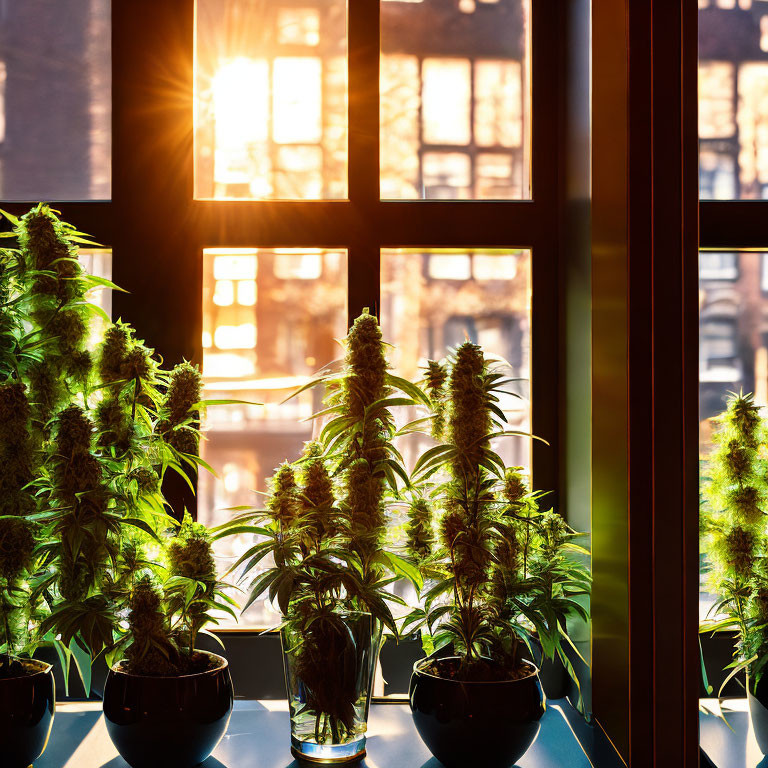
(258, 737)
(731, 744)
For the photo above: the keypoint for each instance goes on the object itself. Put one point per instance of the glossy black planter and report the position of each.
(483, 724)
(173, 722)
(27, 704)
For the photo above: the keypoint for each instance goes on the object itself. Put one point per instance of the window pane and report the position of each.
(270, 317)
(733, 99)
(98, 262)
(455, 79)
(271, 99)
(55, 100)
(733, 340)
(431, 301)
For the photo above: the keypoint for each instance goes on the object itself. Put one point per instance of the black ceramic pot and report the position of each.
(757, 698)
(484, 724)
(27, 704)
(173, 722)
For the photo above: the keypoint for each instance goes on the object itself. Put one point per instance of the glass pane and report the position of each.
(733, 341)
(271, 99)
(270, 317)
(455, 80)
(431, 301)
(733, 99)
(98, 262)
(55, 100)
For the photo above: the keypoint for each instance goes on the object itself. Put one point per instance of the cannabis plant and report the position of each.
(87, 438)
(169, 605)
(502, 575)
(734, 534)
(324, 525)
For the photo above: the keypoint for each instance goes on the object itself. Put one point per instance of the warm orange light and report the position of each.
(241, 120)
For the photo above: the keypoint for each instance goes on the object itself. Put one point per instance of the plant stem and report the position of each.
(334, 730)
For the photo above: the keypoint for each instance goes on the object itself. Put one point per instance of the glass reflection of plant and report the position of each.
(324, 525)
(734, 534)
(502, 574)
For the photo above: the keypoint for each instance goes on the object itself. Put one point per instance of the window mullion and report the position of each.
(364, 259)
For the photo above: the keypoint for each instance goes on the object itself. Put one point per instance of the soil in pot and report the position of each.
(491, 722)
(27, 705)
(174, 721)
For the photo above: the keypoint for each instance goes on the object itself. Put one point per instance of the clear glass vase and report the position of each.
(328, 675)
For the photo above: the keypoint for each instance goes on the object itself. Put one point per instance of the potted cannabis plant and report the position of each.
(499, 579)
(165, 702)
(88, 438)
(324, 526)
(734, 539)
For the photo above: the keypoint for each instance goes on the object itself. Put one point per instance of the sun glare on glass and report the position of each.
(271, 100)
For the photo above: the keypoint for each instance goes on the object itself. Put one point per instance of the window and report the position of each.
(432, 301)
(55, 100)
(718, 266)
(455, 112)
(271, 100)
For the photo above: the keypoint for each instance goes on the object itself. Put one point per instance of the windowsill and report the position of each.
(729, 747)
(258, 737)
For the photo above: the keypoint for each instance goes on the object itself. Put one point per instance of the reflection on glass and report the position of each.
(454, 80)
(271, 99)
(733, 338)
(270, 317)
(55, 100)
(431, 301)
(733, 99)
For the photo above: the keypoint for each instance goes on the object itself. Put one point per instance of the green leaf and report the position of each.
(707, 687)
(735, 671)
(437, 453)
(331, 377)
(82, 661)
(402, 567)
(13, 219)
(514, 433)
(102, 282)
(409, 388)
(64, 655)
(259, 586)
(214, 636)
(388, 402)
(141, 525)
(235, 530)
